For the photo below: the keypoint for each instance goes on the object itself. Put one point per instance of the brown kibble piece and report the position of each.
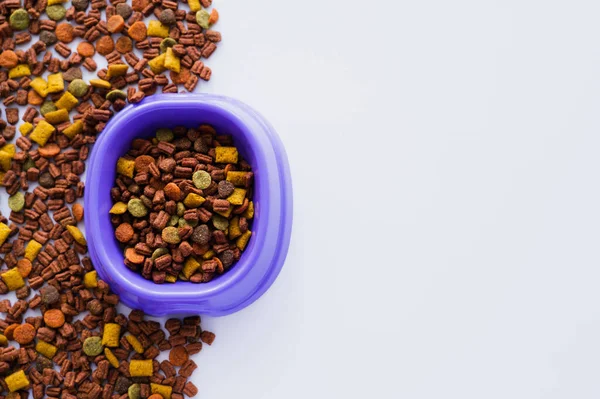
(24, 267)
(138, 31)
(64, 32)
(178, 355)
(143, 162)
(105, 45)
(139, 5)
(86, 49)
(54, 318)
(207, 337)
(24, 334)
(115, 24)
(180, 78)
(124, 232)
(124, 45)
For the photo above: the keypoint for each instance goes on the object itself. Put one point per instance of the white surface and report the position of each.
(444, 157)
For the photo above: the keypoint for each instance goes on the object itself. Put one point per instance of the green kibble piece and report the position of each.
(201, 179)
(202, 17)
(159, 252)
(192, 223)
(78, 88)
(170, 235)
(180, 209)
(56, 12)
(28, 164)
(19, 19)
(134, 391)
(16, 202)
(182, 222)
(92, 346)
(220, 222)
(166, 43)
(136, 208)
(46, 107)
(174, 220)
(114, 95)
(164, 135)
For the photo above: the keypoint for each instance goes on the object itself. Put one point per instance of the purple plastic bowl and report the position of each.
(262, 260)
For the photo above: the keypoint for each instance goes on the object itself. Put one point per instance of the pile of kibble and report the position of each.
(182, 205)
(64, 336)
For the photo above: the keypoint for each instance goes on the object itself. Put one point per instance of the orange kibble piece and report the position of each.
(10, 330)
(180, 78)
(64, 32)
(115, 24)
(173, 191)
(155, 396)
(124, 232)
(105, 45)
(33, 98)
(54, 318)
(24, 267)
(179, 355)
(78, 212)
(124, 45)
(49, 150)
(132, 256)
(86, 49)
(24, 334)
(214, 17)
(138, 31)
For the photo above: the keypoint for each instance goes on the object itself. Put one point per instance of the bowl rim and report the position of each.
(267, 149)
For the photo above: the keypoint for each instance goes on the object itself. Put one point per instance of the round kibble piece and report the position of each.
(178, 355)
(115, 24)
(124, 45)
(92, 346)
(166, 43)
(42, 363)
(122, 385)
(49, 150)
(48, 37)
(133, 392)
(24, 334)
(80, 5)
(124, 10)
(16, 202)
(132, 256)
(54, 318)
(24, 267)
(138, 31)
(201, 234)
(227, 258)
(225, 188)
(78, 88)
(167, 17)
(173, 192)
(8, 59)
(19, 19)
(124, 232)
(64, 32)
(170, 235)
(10, 330)
(56, 12)
(143, 162)
(49, 295)
(48, 106)
(220, 222)
(164, 135)
(201, 179)
(155, 396)
(137, 208)
(86, 49)
(200, 146)
(46, 180)
(105, 45)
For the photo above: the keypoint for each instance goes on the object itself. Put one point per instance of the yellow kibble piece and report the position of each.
(163, 390)
(42, 133)
(249, 212)
(125, 167)
(242, 241)
(56, 83)
(67, 101)
(157, 29)
(77, 235)
(19, 71)
(32, 250)
(13, 279)
(46, 349)
(226, 213)
(4, 233)
(116, 70)
(3, 340)
(169, 278)
(157, 64)
(193, 200)
(57, 117)
(237, 178)
(172, 62)
(234, 228)
(111, 334)
(140, 368)
(10, 149)
(208, 254)
(5, 160)
(90, 279)
(190, 266)
(52, 2)
(237, 197)
(112, 359)
(17, 381)
(135, 344)
(25, 128)
(226, 155)
(194, 5)
(118, 209)
(40, 86)
(73, 130)
(100, 84)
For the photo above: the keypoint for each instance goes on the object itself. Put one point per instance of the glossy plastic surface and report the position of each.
(264, 256)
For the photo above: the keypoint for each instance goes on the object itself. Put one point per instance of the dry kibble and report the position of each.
(64, 32)
(105, 45)
(24, 334)
(115, 24)
(54, 318)
(92, 346)
(86, 49)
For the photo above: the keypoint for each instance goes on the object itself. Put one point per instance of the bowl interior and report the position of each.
(116, 141)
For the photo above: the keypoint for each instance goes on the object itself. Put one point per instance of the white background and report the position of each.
(446, 203)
